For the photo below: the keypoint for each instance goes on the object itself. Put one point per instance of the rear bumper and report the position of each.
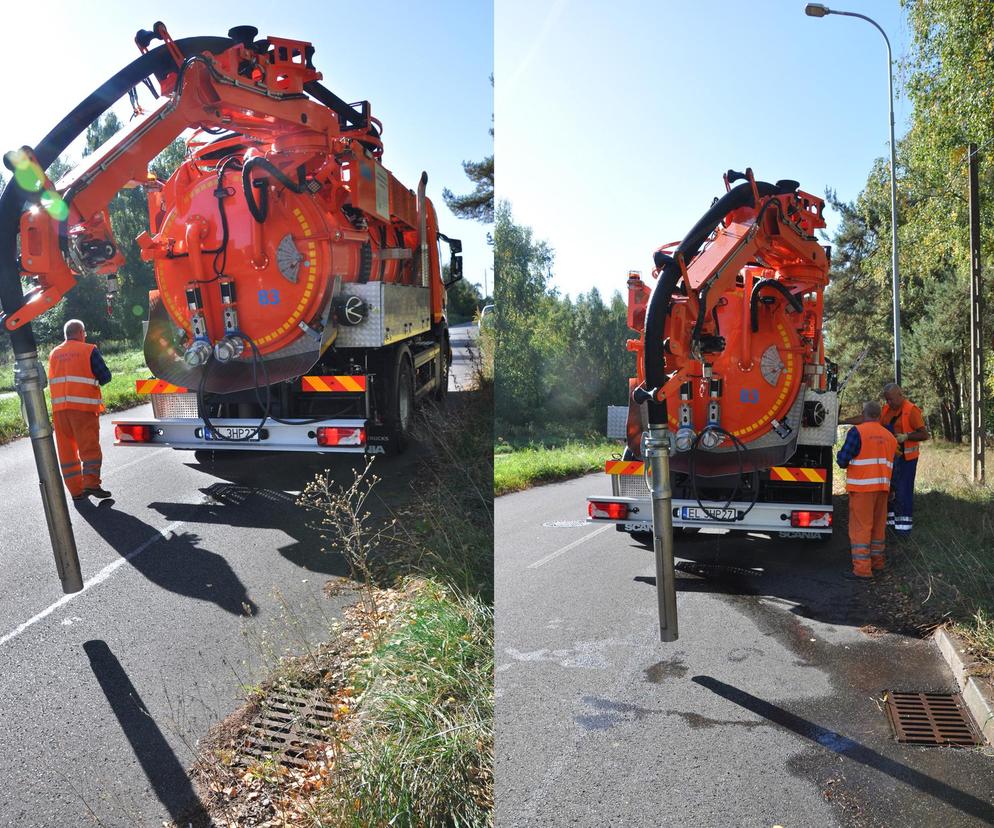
(763, 517)
(188, 433)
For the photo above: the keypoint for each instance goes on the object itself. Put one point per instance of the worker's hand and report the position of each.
(901, 437)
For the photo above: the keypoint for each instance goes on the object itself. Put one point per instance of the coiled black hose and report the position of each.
(768, 284)
(740, 450)
(260, 209)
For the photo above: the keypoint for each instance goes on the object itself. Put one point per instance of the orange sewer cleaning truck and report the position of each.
(299, 301)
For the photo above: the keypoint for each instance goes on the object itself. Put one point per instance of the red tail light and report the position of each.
(133, 433)
(337, 436)
(609, 510)
(810, 520)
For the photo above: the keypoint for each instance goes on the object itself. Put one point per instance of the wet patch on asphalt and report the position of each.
(609, 714)
(665, 669)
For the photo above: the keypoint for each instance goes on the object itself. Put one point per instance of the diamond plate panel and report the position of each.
(617, 421)
(823, 435)
(396, 312)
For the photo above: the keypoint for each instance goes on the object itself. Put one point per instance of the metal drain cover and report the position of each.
(288, 725)
(929, 719)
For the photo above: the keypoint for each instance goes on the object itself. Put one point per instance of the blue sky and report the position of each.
(615, 121)
(424, 67)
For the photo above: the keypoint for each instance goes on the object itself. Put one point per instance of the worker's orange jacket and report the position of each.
(906, 419)
(71, 380)
(871, 469)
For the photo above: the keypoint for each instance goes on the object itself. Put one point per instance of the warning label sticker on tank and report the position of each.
(382, 192)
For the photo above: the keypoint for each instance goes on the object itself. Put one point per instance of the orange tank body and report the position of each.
(285, 267)
(737, 356)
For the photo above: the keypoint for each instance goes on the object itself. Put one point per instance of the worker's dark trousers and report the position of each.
(899, 516)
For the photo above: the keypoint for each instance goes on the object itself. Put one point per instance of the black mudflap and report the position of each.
(378, 439)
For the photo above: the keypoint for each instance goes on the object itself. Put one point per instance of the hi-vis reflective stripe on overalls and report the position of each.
(868, 483)
(71, 379)
(76, 405)
(871, 469)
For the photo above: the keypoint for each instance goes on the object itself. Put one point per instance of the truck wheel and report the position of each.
(442, 370)
(399, 412)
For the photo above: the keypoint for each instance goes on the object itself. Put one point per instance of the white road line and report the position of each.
(96, 580)
(566, 548)
(142, 459)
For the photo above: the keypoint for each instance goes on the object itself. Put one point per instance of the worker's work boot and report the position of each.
(97, 492)
(861, 566)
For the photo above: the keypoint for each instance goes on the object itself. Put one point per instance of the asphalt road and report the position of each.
(764, 712)
(197, 579)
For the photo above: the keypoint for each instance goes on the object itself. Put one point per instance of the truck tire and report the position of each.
(442, 368)
(399, 411)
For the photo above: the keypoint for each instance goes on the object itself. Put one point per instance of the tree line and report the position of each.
(949, 78)
(560, 361)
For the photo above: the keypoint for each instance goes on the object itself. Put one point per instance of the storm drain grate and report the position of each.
(288, 727)
(929, 719)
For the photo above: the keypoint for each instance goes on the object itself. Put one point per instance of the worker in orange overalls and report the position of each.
(904, 420)
(868, 455)
(76, 370)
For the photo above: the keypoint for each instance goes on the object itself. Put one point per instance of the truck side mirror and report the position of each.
(455, 259)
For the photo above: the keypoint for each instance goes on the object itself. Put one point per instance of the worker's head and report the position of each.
(74, 329)
(893, 394)
(871, 411)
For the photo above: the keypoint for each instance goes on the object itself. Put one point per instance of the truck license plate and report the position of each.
(240, 433)
(697, 513)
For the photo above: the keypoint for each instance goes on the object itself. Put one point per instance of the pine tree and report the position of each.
(479, 204)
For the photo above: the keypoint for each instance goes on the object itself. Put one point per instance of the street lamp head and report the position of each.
(816, 10)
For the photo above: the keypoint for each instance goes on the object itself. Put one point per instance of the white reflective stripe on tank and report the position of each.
(82, 400)
(870, 481)
(869, 461)
(86, 380)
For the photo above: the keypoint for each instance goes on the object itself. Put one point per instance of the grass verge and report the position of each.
(517, 468)
(126, 366)
(421, 753)
(408, 670)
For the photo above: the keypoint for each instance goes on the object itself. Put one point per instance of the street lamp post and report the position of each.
(819, 10)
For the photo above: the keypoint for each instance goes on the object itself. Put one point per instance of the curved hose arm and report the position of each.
(773, 284)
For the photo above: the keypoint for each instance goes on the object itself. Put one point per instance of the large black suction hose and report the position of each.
(29, 375)
(654, 357)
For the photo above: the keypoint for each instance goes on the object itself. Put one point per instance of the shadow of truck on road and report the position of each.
(178, 564)
(809, 576)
